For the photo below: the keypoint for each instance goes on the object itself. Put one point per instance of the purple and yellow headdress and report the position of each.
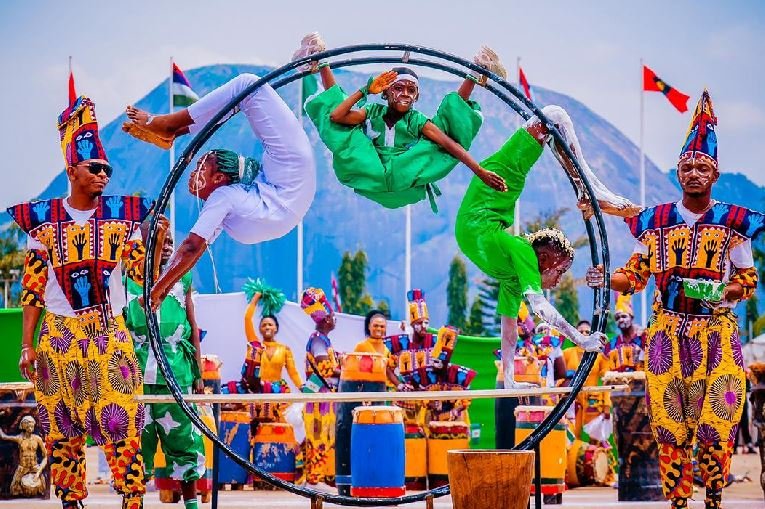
(701, 139)
(78, 129)
(315, 304)
(418, 308)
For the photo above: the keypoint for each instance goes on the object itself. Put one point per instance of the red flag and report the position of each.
(72, 92)
(335, 294)
(652, 83)
(524, 84)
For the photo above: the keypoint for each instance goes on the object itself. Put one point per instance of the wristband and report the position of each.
(322, 65)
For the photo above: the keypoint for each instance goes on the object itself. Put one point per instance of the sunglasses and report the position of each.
(96, 168)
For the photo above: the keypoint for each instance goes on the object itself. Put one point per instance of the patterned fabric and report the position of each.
(638, 271)
(696, 384)
(78, 129)
(67, 469)
(266, 361)
(315, 304)
(747, 278)
(418, 308)
(181, 441)
(174, 330)
(83, 256)
(701, 139)
(35, 278)
(677, 250)
(319, 416)
(626, 354)
(624, 304)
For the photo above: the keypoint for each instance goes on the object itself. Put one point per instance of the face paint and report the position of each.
(623, 321)
(402, 95)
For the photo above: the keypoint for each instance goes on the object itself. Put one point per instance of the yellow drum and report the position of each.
(552, 449)
(587, 465)
(444, 436)
(416, 456)
(363, 367)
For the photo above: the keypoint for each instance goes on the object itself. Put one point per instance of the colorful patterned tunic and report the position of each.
(694, 366)
(87, 373)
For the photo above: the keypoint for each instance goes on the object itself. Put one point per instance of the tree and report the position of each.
(457, 293)
(567, 299)
(488, 292)
(352, 282)
(474, 325)
(12, 255)
(383, 306)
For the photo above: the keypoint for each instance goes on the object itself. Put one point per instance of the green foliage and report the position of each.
(474, 326)
(12, 253)
(383, 306)
(457, 293)
(488, 293)
(352, 282)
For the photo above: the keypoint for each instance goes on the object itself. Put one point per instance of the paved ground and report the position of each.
(740, 495)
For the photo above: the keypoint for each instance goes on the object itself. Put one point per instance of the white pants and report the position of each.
(288, 168)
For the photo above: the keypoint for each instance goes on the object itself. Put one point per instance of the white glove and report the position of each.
(595, 342)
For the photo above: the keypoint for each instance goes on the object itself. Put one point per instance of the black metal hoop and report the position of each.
(518, 102)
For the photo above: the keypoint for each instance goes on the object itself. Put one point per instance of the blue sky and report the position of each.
(588, 49)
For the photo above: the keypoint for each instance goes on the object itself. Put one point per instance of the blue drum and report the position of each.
(235, 432)
(378, 461)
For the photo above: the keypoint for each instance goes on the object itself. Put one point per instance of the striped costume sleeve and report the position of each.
(638, 271)
(35, 278)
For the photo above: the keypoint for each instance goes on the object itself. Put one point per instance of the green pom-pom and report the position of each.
(271, 299)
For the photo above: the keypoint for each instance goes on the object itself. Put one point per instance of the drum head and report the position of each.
(600, 466)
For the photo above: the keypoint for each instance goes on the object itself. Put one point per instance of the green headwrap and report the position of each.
(239, 168)
(271, 299)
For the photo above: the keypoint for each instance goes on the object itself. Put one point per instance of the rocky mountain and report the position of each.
(339, 220)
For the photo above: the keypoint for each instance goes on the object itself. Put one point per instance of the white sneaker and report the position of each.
(489, 60)
(310, 45)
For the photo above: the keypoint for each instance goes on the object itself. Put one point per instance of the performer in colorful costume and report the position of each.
(393, 154)
(375, 328)
(266, 359)
(523, 265)
(322, 372)
(625, 351)
(166, 423)
(694, 365)
(85, 370)
(253, 202)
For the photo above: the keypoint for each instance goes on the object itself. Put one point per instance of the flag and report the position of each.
(335, 294)
(183, 95)
(72, 91)
(524, 83)
(309, 86)
(652, 83)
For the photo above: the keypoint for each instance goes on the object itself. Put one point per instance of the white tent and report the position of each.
(754, 351)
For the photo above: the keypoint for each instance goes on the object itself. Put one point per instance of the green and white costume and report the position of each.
(166, 423)
(485, 215)
(393, 166)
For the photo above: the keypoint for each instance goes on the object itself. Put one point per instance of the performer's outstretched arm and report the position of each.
(541, 307)
(182, 261)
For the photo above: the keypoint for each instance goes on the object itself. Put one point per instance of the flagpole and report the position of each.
(299, 247)
(517, 214)
(171, 155)
(407, 256)
(68, 183)
(643, 296)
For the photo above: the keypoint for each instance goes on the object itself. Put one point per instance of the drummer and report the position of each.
(625, 350)
(375, 327)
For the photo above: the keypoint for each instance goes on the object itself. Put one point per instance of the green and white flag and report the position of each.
(183, 95)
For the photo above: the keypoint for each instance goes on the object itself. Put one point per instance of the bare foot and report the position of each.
(149, 128)
(492, 180)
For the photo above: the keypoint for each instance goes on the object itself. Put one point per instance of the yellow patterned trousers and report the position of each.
(696, 390)
(84, 385)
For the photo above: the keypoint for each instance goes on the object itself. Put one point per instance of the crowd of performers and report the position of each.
(84, 270)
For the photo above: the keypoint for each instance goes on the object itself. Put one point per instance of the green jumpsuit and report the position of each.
(485, 215)
(397, 166)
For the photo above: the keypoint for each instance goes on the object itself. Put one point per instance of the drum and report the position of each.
(444, 436)
(552, 449)
(639, 477)
(17, 401)
(415, 445)
(235, 432)
(587, 465)
(377, 452)
(170, 489)
(360, 372)
(274, 449)
(211, 373)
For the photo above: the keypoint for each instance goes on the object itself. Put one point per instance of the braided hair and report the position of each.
(238, 168)
(552, 237)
